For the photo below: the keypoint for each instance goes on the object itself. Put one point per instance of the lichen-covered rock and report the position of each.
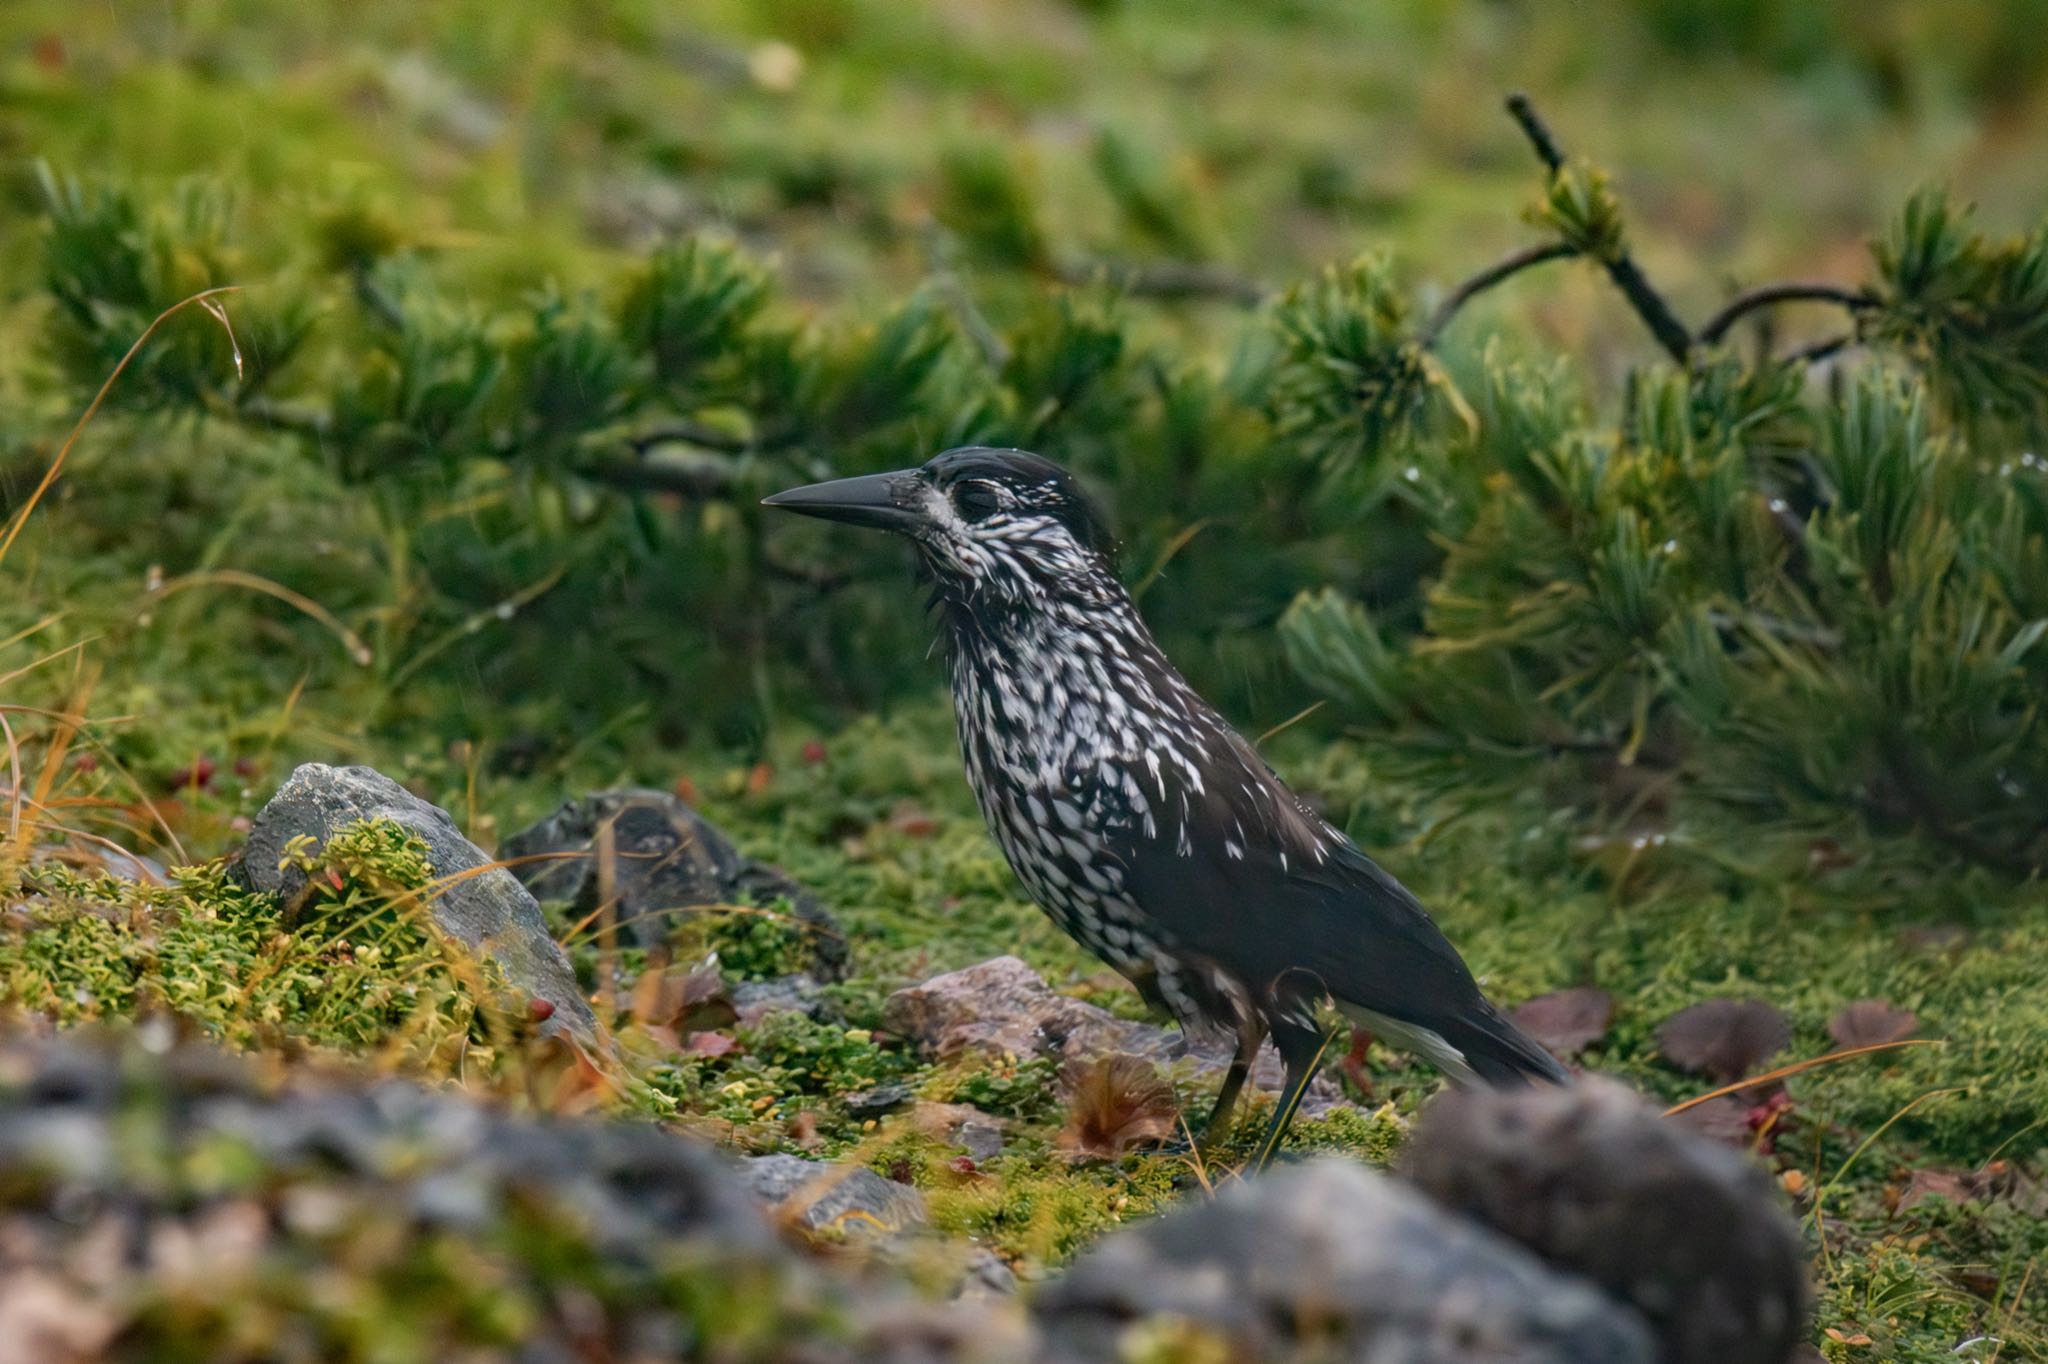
(656, 859)
(487, 911)
(1327, 1260)
(1001, 1007)
(193, 1206)
(756, 1001)
(850, 1200)
(1596, 1182)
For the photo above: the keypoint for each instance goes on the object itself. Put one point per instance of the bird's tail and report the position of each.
(1500, 1053)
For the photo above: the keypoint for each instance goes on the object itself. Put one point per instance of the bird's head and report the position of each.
(993, 526)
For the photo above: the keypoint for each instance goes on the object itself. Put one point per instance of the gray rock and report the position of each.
(849, 1199)
(1329, 1261)
(981, 1140)
(980, 1135)
(665, 860)
(95, 858)
(986, 1276)
(1595, 1181)
(111, 1153)
(490, 913)
(1001, 1007)
(758, 1000)
(873, 1103)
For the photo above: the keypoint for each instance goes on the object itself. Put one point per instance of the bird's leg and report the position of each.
(1251, 1033)
(1303, 1052)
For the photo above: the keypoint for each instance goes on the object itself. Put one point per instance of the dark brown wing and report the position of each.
(1265, 887)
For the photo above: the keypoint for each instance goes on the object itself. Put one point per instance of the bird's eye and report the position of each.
(976, 501)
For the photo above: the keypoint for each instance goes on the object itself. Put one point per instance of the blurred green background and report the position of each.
(980, 155)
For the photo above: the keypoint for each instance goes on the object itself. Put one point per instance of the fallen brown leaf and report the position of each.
(1870, 1021)
(1114, 1104)
(695, 1000)
(1566, 1021)
(1724, 1039)
(708, 1044)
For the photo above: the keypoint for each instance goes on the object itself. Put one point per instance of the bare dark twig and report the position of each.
(1768, 295)
(1621, 267)
(1821, 350)
(698, 480)
(820, 580)
(1538, 132)
(1486, 279)
(683, 431)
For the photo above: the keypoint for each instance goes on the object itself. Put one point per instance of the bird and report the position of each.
(1137, 818)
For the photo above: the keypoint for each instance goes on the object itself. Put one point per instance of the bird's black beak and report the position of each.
(883, 501)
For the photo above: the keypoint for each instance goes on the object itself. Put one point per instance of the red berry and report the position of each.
(199, 774)
(814, 753)
(540, 1010)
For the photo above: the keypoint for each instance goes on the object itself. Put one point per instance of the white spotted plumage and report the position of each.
(1081, 740)
(1135, 816)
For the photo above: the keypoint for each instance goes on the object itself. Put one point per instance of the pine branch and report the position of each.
(298, 419)
(1169, 280)
(1769, 295)
(1621, 267)
(682, 431)
(698, 479)
(1497, 273)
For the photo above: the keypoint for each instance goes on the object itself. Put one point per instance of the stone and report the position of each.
(981, 1140)
(851, 1200)
(665, 860)
(1329, 1260)
(986, 1276)
(873, 1103)
(1001, 1007)
(981, 1135)
(1595, 1181)
(756, 1001)
(106, 858)
(489, 913)
(112, 1151)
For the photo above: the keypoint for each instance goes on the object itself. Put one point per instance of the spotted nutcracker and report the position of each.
(1147, 827)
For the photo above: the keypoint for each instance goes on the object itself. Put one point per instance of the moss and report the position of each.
(1010, 1088)
(759, 946)
(358, 965)
(1038, 1210)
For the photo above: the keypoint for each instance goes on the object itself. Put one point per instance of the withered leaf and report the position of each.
(1566, 1021)
(688, 1001)
(1871, 1022)
(1724, 1118)
(1951, 1185)
(1724, 1039)
(1115, 1103)
(708, 1044)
